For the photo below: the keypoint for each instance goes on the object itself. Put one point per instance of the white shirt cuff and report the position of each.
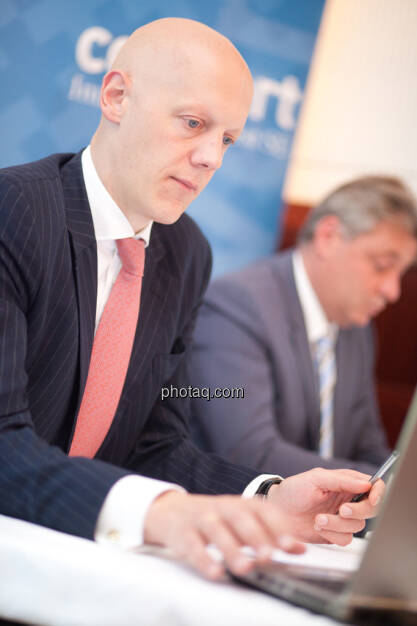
(121, 519)
(250, 489)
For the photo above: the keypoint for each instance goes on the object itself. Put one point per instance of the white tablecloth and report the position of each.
(50, 578)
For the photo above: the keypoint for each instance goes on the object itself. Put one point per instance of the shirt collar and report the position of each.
(109, 221)
(317, 324)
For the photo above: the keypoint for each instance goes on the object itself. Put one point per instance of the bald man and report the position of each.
(169, 113)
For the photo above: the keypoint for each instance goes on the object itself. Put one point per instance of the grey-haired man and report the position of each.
(293, 331)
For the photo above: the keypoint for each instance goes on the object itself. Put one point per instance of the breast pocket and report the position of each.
(164, 366)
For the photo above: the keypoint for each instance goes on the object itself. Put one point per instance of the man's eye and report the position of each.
(227, 141)
(192, 123)
(382, 266)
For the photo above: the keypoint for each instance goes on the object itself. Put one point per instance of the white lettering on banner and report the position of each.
(273, 143)
(83, 91)
(89, 63)
(288, 95)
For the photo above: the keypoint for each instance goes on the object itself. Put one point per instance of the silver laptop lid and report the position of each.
(387, 576)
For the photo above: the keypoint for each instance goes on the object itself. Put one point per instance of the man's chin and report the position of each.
(363, 318)
(358, 320)
(167, 221)
(169, 217)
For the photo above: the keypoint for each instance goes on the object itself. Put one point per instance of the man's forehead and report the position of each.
(192, 56)
(390, 238)
(188, 69)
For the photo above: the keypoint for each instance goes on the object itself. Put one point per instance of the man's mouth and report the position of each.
(185, 183)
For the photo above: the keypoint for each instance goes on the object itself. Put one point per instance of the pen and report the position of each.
(380, 473)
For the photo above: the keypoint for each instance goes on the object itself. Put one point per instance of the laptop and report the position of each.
(383, 590)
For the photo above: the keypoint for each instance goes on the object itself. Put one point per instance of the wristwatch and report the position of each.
(266, 485)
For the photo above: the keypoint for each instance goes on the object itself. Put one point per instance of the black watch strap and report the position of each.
(266, 485)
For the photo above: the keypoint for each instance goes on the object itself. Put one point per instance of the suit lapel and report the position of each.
(345, 365)
(84, 258)
(301, 351)
(155, 295)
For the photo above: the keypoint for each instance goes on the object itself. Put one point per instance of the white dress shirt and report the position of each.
(315, 320)
(318, 327)
(122, 516)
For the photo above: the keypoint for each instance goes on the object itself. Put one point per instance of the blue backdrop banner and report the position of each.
(53, 54)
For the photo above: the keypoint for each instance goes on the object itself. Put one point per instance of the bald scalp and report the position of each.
(172, 47)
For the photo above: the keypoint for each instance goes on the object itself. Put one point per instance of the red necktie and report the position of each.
(111, 352)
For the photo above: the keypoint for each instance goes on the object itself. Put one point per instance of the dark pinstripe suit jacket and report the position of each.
(48, 283)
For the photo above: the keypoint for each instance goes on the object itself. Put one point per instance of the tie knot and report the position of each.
(132, 255)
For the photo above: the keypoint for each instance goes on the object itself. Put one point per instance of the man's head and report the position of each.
(176, 97)
(356, 246)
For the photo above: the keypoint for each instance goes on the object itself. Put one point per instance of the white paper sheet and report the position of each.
(345, 559)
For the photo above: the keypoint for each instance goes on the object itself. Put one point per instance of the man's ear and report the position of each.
(114, 90)
(327, 235)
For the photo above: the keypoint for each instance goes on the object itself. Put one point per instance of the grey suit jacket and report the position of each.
(250, 333)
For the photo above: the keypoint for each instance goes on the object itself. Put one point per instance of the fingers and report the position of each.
(270, 517)
(245, 523)
(354, 474)
(377, 492)
(188, 524)
(336, 529)
(216, 530)
(366, 508)
(289, 544)
(341, 480)
(193, 550)
(351, 516)
(340, 539)
(338, 524)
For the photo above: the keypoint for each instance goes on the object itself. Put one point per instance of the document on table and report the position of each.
(344, 559)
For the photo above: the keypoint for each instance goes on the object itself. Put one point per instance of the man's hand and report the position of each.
(315, 506)
(188, 523)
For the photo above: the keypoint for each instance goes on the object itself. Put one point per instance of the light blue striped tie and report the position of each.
(326, 368)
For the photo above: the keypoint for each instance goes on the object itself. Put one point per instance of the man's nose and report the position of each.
(208, 153)
(391, 287)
